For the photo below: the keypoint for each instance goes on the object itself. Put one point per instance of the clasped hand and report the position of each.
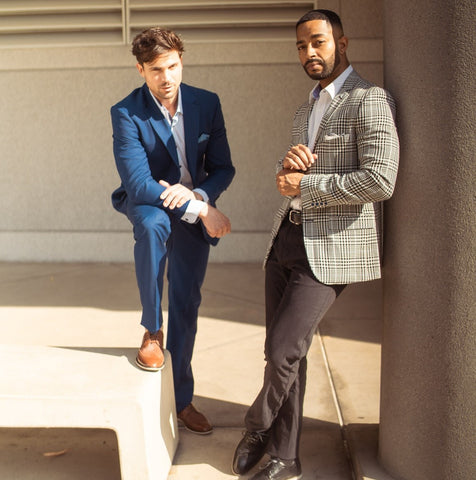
(215, 222)
(296, 161)
(176, 195)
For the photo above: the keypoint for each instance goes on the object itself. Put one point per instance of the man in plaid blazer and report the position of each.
(341, 165)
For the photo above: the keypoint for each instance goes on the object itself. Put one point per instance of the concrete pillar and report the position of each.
(428, 401)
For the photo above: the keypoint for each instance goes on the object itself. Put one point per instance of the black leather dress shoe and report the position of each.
(249, 451)
(277, 469)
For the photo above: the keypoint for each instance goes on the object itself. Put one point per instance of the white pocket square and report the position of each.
(203, 137)
(335, 136)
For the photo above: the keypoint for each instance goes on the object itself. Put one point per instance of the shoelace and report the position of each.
(274, 465)
(274, 461)
(255, 437)
(155, 338)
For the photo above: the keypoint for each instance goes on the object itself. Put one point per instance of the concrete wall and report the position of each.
(428, 422)
(57, 165)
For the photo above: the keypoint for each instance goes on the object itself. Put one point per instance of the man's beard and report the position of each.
(327, 70)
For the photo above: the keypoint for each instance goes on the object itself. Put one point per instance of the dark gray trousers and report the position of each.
(295, 304)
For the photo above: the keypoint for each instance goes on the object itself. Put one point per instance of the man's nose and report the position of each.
(165, 76)
(311, 52)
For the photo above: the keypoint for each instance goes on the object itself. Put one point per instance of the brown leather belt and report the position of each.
(295, 217)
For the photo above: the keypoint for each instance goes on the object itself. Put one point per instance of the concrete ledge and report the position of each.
(94, 388)
(362, 440)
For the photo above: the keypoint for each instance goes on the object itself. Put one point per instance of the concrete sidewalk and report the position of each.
(97, 305)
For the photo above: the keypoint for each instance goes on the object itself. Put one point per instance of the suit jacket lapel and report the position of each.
(191, 119)
(304, 125)
(343, 93)
(160, 124)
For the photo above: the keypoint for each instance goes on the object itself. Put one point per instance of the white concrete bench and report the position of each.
(94, 388)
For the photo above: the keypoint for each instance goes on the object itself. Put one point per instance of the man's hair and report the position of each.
(155, 41)
(327, 15)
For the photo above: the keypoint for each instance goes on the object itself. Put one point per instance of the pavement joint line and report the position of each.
(331, 380)
(337, 406)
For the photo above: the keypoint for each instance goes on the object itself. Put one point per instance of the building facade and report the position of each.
(63, 66)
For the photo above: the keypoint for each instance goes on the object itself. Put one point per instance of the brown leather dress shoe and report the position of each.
(151, 353)
(194, 421)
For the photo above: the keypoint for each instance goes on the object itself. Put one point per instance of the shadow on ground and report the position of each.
(234, 293)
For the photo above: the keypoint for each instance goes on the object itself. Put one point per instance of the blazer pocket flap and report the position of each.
(351, 223)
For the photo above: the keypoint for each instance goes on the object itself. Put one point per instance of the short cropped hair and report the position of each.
(155, 41)
(327, 15)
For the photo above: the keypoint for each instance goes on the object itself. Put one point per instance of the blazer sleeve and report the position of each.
(132, 163)
(373, 176)
(217, 158)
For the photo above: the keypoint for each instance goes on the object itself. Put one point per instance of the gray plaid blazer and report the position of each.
(357, 160)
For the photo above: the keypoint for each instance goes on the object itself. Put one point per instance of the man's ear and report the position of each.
(140, 68)
(342, 44)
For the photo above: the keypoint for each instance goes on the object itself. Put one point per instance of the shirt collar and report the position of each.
(164, 111)
(333, 88)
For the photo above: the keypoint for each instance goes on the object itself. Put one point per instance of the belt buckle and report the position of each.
(295, 217)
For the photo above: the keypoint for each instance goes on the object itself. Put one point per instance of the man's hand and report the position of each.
(299, 157)
(289, 182)
(175, 195)
(216, 223)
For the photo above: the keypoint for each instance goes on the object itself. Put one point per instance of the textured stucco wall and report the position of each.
(428, 424)
(57, 165)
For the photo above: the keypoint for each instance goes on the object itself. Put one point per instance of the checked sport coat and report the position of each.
(342, 192)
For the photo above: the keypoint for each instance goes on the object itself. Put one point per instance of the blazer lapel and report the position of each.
(191, 119)
(343, 93)
(160, 125)
(304, 124)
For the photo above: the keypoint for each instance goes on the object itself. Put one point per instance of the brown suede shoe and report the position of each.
(194, 421)
(151, 353)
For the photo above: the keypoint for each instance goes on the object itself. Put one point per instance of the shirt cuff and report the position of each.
(193, 210)
(202, 193)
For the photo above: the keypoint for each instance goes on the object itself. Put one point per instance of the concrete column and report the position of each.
(428, 401)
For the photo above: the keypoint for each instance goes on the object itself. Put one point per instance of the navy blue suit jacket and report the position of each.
(145, 150)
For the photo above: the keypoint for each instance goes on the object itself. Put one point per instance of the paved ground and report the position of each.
(97, 305)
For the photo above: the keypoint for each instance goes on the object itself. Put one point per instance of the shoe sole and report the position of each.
(299, 477)
(239, 474)
(147, 368)
(194, 431)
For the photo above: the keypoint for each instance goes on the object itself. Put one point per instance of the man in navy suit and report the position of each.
(173, 158)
